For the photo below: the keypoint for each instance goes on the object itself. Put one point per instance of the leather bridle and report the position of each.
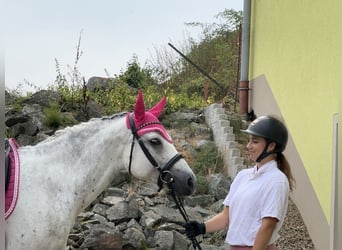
(165, 175)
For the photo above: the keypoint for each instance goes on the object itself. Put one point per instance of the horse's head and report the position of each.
(157, 158)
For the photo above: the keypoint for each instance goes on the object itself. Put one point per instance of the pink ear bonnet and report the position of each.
(147, 121)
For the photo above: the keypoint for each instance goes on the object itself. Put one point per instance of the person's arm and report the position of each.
(218, 222)
(265, 233)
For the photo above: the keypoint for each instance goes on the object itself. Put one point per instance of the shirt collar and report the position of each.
(268, 166)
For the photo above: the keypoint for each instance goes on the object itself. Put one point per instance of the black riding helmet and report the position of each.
(272, 129)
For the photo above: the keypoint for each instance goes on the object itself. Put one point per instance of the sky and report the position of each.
(37, 32)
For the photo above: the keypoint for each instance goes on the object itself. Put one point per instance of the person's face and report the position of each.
(255, 146)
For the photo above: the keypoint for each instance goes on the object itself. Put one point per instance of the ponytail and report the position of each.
(284, 167)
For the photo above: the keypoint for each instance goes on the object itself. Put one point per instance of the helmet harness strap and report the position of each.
(264, 153)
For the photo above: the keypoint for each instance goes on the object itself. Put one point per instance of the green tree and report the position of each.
(135, 76)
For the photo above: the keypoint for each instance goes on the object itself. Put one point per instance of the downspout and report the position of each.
(244, 81)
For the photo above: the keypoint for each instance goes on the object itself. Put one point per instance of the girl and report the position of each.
(255, 207)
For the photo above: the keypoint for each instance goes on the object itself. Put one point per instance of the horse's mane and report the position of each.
(80, 127)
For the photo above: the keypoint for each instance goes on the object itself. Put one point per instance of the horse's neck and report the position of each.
(82, 159)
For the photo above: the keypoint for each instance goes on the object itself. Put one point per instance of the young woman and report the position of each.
(255, 207)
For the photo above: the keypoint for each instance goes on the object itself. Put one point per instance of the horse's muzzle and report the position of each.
(184, 185)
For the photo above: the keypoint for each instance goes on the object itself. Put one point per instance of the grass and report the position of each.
(53, 116)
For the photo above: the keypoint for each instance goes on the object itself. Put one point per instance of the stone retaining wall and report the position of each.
(218, 121)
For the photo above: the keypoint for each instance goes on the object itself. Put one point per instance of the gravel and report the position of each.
(294, 234)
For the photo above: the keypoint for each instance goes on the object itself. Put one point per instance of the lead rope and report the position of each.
(181, 209)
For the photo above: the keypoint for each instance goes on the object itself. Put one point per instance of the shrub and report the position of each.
(208, 160)
(202, 185)
(53, 116)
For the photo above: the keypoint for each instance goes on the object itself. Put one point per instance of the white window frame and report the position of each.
(336, 199)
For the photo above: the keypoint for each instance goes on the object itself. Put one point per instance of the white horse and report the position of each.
(62, 175)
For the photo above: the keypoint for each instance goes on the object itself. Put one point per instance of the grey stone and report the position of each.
(219, 186)
(123, 211)
(96, 83)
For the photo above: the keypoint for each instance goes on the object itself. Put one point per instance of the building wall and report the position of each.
(304, 195)
(295, 53)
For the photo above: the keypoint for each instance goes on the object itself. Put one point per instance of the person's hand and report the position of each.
(194, 228)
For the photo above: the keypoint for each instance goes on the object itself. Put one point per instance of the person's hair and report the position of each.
(284, 167)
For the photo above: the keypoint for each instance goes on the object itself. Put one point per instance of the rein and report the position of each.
(180, 207)
(165, 175)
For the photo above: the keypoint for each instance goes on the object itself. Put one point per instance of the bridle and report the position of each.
(165, 175)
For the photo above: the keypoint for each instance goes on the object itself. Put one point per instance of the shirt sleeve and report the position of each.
(275, 199)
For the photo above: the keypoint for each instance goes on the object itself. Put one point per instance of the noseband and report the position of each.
(165, 175)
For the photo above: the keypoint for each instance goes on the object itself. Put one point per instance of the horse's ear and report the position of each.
(157, 109)
(139, 109)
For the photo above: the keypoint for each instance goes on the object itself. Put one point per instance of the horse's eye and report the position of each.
(155, 142)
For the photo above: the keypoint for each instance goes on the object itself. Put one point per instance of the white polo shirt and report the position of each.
(255, 194)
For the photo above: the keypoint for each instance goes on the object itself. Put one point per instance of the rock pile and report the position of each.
(27, 123)
(135, 216)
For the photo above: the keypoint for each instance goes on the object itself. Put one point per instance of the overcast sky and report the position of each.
(38, 31)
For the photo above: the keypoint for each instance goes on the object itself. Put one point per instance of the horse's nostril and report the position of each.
(191, 183)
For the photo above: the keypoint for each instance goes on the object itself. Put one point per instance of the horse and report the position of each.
(62, 175)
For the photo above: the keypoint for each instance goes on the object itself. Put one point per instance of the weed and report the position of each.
(208, 160)
(53, 117)
(202, 186)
